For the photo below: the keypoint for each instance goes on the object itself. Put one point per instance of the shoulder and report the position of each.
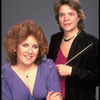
(5, 67)
(57, 35)
(85, 38)
(5, 70)
(47, 68)
(48, 64)
(88, 37)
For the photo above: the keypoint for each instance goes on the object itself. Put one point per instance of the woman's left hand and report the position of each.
(54, 96)
(64, 70)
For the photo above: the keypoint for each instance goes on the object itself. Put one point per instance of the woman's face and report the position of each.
(68, 18)
(27, 51)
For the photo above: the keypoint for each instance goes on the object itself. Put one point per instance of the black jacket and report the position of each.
(81, 84)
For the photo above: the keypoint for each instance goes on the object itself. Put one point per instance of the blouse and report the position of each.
(13, 88)
(61, 59)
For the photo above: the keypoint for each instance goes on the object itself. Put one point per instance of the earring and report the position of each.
(14, 51)
(78, 20)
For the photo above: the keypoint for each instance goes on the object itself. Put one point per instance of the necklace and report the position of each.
(66, 40)
(26, 75)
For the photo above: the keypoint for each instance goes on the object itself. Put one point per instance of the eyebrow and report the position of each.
(29, 43)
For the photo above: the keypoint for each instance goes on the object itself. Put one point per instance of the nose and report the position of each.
(30, 51)
(66, 17)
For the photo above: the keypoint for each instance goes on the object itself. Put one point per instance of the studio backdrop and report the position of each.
(41, 11)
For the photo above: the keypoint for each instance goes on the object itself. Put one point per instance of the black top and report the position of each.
(82, 82)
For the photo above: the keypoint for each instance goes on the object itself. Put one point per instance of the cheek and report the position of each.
(60, 20)
(75, 19)
(20, 51)
(36, 52)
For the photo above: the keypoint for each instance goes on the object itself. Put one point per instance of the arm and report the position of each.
(84, 69)
(86, 72)
(6, 94)
(53, 83)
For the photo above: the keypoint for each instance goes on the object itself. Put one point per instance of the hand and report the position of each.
(54, 96)
(64, 70)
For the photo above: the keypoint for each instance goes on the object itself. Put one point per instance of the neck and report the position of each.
(66, 40)
(69, 34)
(24, 71)
(24, 68)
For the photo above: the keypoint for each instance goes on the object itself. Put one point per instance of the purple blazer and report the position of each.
(13, 88)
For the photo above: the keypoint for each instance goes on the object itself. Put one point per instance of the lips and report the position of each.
(28, 57)
(67, 24)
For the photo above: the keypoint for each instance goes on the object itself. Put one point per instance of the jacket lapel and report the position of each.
(78, 45)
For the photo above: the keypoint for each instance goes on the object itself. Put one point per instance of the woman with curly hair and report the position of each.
(27, 76)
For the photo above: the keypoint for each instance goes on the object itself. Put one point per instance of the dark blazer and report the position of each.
(81, 84)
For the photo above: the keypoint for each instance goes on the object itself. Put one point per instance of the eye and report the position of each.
(35, 46)
(25, 45)
(71, 14)
(61, 15)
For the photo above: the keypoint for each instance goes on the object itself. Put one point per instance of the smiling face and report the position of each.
(68, 18)
(27, 51)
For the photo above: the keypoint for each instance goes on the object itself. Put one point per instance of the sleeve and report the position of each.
(51, 48)
(86, 72)
(6, 94)
(53, 77)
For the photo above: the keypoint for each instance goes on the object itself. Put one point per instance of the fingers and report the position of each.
(57, 67)
(48, 95)
(62, 69)
(57, 95)
(54, 96)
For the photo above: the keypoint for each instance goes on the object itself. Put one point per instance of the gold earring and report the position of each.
(14, 51)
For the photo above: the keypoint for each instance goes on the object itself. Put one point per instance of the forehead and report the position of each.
(30, 39)
(66, 8)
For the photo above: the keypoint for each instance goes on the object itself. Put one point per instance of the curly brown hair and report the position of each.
(74, 4)
(18, 33)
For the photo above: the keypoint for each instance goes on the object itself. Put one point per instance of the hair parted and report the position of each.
(74, 4)
(18, 33)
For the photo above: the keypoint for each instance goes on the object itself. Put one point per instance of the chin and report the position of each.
(28, 63)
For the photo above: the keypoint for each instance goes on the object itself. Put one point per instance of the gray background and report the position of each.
(41, 11)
